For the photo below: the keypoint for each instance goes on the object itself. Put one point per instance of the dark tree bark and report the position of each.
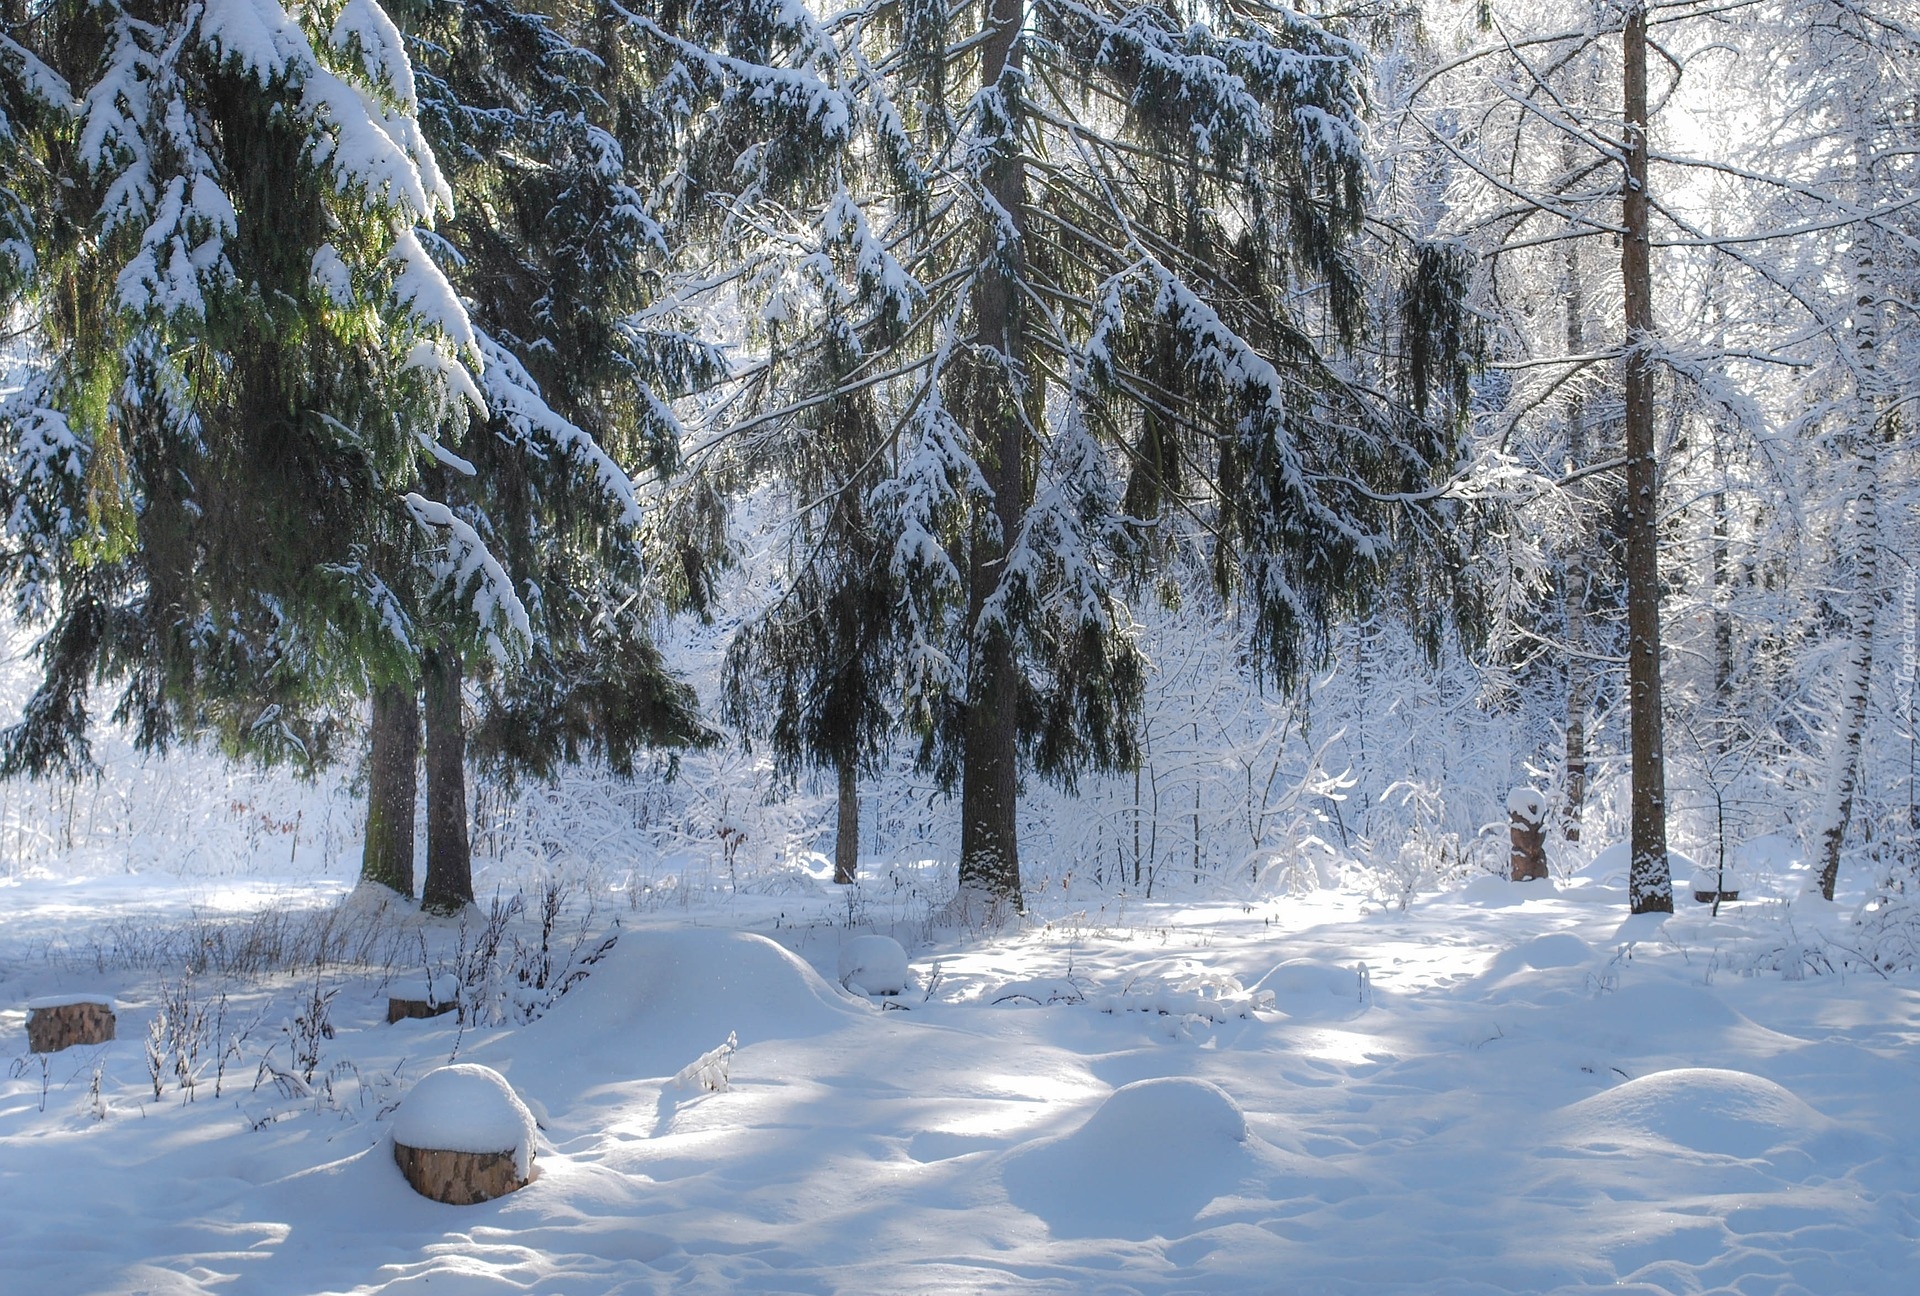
(990, 754)
(449, 885)
(392, 788)
(846, 837)
(1650, 883)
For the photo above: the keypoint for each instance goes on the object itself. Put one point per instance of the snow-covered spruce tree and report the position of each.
(214, 480)
(532, 113)
(1125, 242)
(29, 91)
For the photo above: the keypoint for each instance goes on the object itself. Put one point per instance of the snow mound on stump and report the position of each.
(875, 965)
(466, 1108)
(1145, 1164)
(1704, 1109)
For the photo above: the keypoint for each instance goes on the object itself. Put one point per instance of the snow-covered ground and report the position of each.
(1502, 1089)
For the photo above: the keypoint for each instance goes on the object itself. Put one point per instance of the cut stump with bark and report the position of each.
(399, 1009)
(55, 1026)
(459, 1178)
(1527, 810)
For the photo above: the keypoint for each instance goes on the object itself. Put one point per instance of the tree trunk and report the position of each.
(1579, 681)
(392, 788)
(1722, 580)
(990, 771)
(449, 885)
(1858, 539)
(846, 837)
(1650, 883)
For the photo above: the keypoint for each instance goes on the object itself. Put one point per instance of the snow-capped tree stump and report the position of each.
(463, 1136)
(55, 1024)
(411, 1000)
(1714, 885)
(1528, 811)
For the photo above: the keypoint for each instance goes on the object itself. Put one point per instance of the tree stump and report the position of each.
(1527, 859)
(463, 1136)
(458, 1178)
(399, 1009)
(56, 1024)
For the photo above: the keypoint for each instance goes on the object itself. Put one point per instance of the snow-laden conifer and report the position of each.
(1094, 267)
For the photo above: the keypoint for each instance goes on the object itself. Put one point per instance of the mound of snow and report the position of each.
(1770, 853)
(466, 1108)
(62, 1000)
(1039, 990)
(1555, 950)
(1705, 1109)
(1496, 892)
(874, 965)
(1609, 867)
(1314, 988)
(661, 998)
(1550, 952)
(1145, 1164)
(1529, 804)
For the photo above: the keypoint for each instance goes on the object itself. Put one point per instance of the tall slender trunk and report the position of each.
(1858, 537)
(449, 885)
(1650, 883)
(1856, 671)
(392, 786)
(1579, 670)
(1721, 582)
(990, 770)
(846, 837)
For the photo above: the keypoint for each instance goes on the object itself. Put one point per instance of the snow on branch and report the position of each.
(467, 563)
(515, 397)
(365, 27)
(709, 1071)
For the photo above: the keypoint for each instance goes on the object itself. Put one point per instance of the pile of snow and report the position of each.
(662, 998)
(1527, 804)
(443, 988)
(1146, 1163)
(1495, 891)
(1305, 988)
(874, 965)
(1609, 867)
(466, 1108)
(65, 1000)
(1217, 997)
(1546, 953)
(1702, 1109)
(1038, 990)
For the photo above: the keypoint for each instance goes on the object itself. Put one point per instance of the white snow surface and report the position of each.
(1534, 1095)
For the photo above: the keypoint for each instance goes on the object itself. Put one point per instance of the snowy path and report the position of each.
(1517, 1103)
